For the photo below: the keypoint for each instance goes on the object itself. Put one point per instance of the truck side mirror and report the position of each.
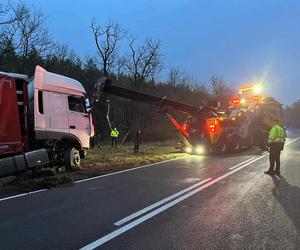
(87, 105)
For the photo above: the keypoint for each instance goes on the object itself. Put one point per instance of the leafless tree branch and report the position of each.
(143, 62)
(106, 40)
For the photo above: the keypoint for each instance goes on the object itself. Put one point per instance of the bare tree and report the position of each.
(32, 34)
(107, 39)
(120, 66)
(6, 16)
(221, 90)
(177, 76)
(144, 61)
(8, 28)
(22, 31)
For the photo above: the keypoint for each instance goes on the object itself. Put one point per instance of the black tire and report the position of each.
(222, 147)
(235, 144)
(72, 159)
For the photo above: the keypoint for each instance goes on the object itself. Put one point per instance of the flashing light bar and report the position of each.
(236, 101)
(256, 89)
(256, 98)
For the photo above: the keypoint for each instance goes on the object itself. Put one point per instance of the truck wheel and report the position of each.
(72, 158)
(235, 144)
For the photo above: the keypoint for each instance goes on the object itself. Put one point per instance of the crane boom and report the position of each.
(164, 102)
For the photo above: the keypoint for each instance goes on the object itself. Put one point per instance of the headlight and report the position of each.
(188, 150)
(200, 149)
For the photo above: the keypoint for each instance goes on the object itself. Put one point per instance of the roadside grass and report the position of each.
(106, 158)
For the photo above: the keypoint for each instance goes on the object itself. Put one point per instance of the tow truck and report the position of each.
(244, 123)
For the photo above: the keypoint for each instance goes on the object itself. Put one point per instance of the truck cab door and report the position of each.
(79, 120)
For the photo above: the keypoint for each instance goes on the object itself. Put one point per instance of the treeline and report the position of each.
(25, 42)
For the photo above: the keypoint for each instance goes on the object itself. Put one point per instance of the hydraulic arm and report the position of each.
(165, 105)
(163, 102)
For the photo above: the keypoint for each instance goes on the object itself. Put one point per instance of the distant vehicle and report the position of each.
(42, 122)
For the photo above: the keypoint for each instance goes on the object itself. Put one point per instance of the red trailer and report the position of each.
(10, 127)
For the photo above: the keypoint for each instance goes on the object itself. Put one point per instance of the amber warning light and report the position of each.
(256, 98)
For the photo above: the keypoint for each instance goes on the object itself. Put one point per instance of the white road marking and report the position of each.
(146, 217)
(241, 163)
(23, 194)
(159, 203)
(292, 141)
(126, 170)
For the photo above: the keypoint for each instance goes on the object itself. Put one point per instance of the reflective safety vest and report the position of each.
(277, 134)
(114, 133)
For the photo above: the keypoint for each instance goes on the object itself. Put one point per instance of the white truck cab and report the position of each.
(45, 122)
(61, 115)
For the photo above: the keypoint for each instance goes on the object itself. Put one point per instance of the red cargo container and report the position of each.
(10, 130)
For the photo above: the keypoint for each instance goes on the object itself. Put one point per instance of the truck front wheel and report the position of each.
(72, 158)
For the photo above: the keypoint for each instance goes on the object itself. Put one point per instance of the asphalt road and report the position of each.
(198, 202)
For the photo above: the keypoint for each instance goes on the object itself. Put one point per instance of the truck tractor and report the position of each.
(44, 121)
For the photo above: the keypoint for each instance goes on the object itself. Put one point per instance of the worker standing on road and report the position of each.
(114, 136)
(276, 142)
(137, 141)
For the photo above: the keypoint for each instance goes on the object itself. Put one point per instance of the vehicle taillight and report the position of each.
(185, 128)
(213, 125)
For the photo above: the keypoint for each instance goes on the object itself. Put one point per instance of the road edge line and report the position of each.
(22, 194)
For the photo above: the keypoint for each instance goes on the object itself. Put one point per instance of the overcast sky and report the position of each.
(241, 41)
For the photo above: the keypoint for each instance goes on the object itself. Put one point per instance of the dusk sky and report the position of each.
(240, 41)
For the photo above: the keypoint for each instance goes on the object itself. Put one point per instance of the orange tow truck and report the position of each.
(245, 123)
